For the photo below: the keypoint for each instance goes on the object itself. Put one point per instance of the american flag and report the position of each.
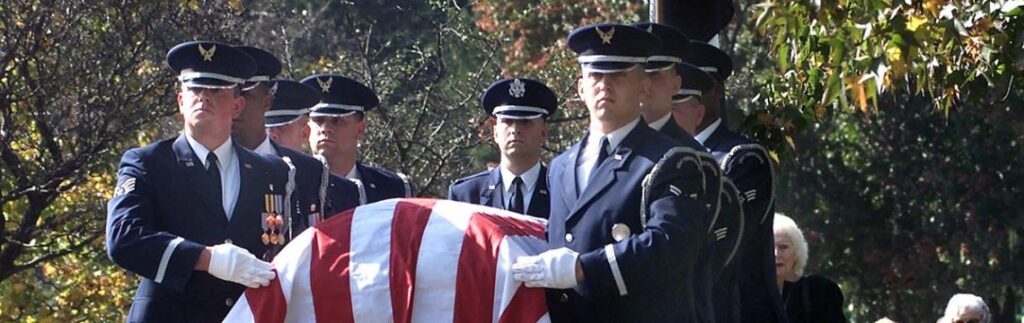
(403, 260)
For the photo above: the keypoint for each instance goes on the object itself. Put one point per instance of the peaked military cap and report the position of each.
(519, 98)
(291, 101)
(267, 66)
(610, 48)
(340, 96)
(711, 60)
(695, 82)
(674, 46)
(210, 64)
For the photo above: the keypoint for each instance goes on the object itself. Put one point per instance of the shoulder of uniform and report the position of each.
(470, 178)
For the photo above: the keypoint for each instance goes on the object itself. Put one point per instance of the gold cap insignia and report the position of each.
(325, 86)
(606, 36)
(517, 88)
(207, 53)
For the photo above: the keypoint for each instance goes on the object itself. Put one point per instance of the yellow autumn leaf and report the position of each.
(916, 22)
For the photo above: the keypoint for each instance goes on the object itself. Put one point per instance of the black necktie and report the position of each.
(601, 156)
(517, 196)
(213, 172)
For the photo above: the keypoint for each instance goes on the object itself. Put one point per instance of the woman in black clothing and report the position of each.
(811, 298)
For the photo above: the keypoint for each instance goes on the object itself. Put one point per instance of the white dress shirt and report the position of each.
(230, 177)
(587, 161)
(704, 134)
(530, 178)
(660, 123)
(266, 148)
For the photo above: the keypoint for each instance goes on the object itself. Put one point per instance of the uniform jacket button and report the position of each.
(564, 298)
(228, 241)
(229, 302)
(568, 237)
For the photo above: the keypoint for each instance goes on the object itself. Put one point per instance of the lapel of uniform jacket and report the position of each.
(492, 193)
(250, 186)
(539, 200)
(610, 169)
(567, 175)
(196, 178)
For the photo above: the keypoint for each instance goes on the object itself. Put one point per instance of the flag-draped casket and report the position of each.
(403, 260)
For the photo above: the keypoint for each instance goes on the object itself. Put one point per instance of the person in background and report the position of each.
(812, 298)
(966, 308)
(520, 108)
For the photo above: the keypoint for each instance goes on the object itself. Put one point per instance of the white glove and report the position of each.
(551, 269)
(234, 264)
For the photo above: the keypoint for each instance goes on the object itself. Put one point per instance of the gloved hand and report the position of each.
(234, 264)
(554, 268)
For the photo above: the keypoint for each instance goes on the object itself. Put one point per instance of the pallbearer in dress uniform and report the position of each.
(519, 184)
(664, 68)
(338, 123)
(668, 71)
(188, 213)
(746, 163)
(611, 262)
(287, 124)
(264, 94)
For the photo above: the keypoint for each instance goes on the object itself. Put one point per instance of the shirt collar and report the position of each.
(704, 134)
(660, 123)
(224, 152)
(615, 137)
(354, 172)
(529, 177)
(266, 148)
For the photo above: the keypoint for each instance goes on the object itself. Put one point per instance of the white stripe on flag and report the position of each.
(439, 253)
(292, 266)
(512, 247)
(369, 262)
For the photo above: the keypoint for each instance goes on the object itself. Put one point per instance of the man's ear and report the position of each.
(700, 112)
(239, 105)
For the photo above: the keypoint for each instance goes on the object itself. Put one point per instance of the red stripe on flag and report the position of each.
(329, 269)
(267, 304)
(474, 287)
(527, 305)
(407, 225)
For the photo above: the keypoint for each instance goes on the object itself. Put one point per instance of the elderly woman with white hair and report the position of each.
(966, 308)
(812, 298)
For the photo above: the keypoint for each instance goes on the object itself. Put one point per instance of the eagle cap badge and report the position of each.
(606, 36)
(207, 53)
(517, 88)
(325, 86)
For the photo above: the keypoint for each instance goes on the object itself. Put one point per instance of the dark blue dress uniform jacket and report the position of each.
(651, 262)
(165, 211)
(486, 188)
(381, 184)
(747, 164)
(342, 194)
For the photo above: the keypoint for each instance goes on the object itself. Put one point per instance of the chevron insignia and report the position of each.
(207, 53)
(721, 233)
(126, 186)
(750, 195)
(675, 190)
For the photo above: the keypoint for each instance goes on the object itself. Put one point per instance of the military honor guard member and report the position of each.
(747, 165)
(687, 109)
(519, 183)
(338, 123)
(189, 213)
(287, 124)
(664, 69)
(264, 94)
(611, 262)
